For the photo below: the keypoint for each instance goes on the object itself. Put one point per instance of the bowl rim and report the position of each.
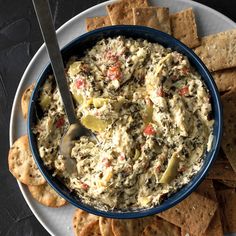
(181, 193)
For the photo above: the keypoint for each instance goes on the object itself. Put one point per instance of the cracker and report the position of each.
(160, 227)
(120, 13)
(21, 163)
(229, 134)
(206, 189)
(222, 171)
(154, 17)
(105, 226)
(225, 79)
(227, 199)
(46, 195)
(194, 214)
(127, 227)
(91, 229)
(184, 28)
(218, 51)
(228, 183)
(97, 22)
(25, 99)
(80, 219)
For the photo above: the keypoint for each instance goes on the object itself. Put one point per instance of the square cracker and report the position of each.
(206, 189)
(193, 214)
(225, 79)
(229, 135)
(228, 183)
(222, 170)
(97, 22)
(184, 28)
(154, 17)
(227, 199)
(218, 51)
(121, 12)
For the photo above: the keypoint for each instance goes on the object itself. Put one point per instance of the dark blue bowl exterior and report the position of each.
(86, 41)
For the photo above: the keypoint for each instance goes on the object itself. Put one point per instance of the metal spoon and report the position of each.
(76, 129)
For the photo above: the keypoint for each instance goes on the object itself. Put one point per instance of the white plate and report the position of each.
(59, 221)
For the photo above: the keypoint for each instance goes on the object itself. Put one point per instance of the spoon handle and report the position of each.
(45, 21)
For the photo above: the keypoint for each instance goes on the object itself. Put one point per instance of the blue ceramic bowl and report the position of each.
(86, 41)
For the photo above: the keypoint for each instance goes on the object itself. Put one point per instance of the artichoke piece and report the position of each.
(99, 102)
(74, 68)
(118, 104)
(148, 114)
(45, 101)
(94, 123)
(78, 97)
(137, 154)
(171, 170)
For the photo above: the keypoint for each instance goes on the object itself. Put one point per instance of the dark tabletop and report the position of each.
(20, 38)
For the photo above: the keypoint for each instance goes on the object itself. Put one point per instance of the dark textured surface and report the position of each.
(19, 40)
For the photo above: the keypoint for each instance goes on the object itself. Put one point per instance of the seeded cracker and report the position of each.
(121, 13)
(160, 227)
(184, 28)
(227, 199)
(45, 195)
(229, 133)
(154, 17)
(225, 79)
(81, 219)
(222, 171)
(193, 214)
(228, 183)
(25, 99)
(206, 189)
(127, 226)
(97, 22)
(218, 51)
(21, 163)
(105, 226)
(91, 229)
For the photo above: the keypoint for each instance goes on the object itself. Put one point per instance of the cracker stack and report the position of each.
(23, 168)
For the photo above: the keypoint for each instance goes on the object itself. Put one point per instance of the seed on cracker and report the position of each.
(91, 229)
(229, 134)
(21, 163)
(45, 195)
(105, 226)
(207, 189)
(225, 79)
(218, 51)
(25, 99)
(184, 28)
(120, 12)
(194, 214)
(159, 226)
(154, 17)
(80, 219)
(227, 199)
(97, 22)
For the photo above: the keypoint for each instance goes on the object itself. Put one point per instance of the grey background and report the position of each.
(20, 38)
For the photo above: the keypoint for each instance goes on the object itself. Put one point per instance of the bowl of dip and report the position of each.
(153, 106)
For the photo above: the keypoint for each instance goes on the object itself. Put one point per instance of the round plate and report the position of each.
(59, 221)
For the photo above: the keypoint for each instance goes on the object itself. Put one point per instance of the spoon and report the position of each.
(76, 129)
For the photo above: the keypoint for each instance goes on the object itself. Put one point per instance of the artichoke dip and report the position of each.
(151, 113)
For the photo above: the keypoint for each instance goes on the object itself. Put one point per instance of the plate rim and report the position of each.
(40, 50)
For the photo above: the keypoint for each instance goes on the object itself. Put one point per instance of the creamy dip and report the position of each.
(151, 113)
